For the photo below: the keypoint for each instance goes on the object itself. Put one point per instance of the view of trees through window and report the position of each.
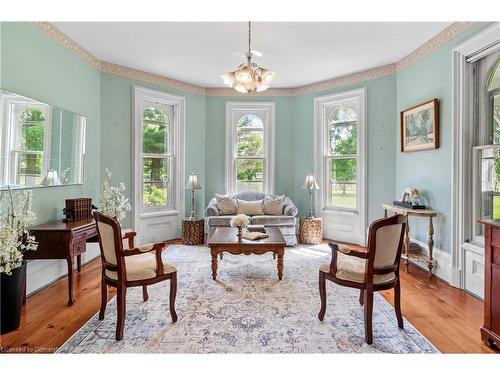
(343, 157)
(29, 144)
(156, 157)
(250, 153)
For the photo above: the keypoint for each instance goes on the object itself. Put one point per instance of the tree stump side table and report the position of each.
(193, 231)
(311, 231)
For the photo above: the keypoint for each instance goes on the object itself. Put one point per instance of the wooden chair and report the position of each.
(124, 268)
(375, 269)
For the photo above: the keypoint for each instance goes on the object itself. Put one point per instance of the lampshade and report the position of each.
(310, 182)
(50, 179)
(193, 183)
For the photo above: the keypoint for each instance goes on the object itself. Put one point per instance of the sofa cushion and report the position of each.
(250, 208)
(273, 206)
(227, 205)
(271, 220)
(219, 221)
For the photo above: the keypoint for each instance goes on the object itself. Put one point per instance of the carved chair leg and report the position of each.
(368, 297)
(397, 303)
(104, 298)
(322, 295)
(361, 292)
(120, 300)
(173, 293)
(145, 296)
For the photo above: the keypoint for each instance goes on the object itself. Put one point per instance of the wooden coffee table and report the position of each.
(226, 239)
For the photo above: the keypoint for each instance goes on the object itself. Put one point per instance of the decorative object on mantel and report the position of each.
(193, 185)
(310, 185)
(408, 252)
(113, 201)
(239, 221)
(410, 198)
(419, 127)
(78, 209)
(15, 239)
(249, 77)
(51, 179)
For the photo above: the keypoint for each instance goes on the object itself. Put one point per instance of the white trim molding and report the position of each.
(438, 40)
(162, 224)
(462, 143)
(266, 111)
(342, 224)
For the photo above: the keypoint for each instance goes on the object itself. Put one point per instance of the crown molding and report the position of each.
(435, 42)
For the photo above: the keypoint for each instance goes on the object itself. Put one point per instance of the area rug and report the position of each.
(247, 310)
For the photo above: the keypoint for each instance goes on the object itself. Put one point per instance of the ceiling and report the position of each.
(300, 53)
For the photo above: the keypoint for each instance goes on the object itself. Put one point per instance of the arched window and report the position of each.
(157, 154)
(342, 158)
(249, 147)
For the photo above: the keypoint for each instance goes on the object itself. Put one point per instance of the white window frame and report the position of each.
(462, 205)
(142, 95)
(268, 109)
(322, 154)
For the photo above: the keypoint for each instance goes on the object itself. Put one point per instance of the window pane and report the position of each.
(250, 143)
(32, 122)
(343, 114)
(343, 182)
(344, 138)
(154, 139)
(250, 122)
(496, 119)
(490, 183)
(155, 169)
(156, 114)
(249, 174)
(30, 164)
(155, 194)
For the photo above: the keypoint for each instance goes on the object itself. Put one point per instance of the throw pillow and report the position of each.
(227, 205)
(250, 208)
(274, 206)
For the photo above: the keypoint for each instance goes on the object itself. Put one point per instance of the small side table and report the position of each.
(311, 231)
(193, 231)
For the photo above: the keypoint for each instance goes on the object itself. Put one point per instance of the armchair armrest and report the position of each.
(212, 208)
(344, 250)
(146, 248)
(130, 236)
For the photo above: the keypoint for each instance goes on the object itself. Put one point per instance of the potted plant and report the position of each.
(113, 202)
(15, 219)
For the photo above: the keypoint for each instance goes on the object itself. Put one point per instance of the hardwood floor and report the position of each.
(448, 317)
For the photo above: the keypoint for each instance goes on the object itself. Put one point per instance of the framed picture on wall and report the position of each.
(420, 127)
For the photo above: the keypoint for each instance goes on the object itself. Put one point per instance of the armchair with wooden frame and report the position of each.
(124, 268)
(372, 270)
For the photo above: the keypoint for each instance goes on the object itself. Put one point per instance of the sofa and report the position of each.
(286, 222)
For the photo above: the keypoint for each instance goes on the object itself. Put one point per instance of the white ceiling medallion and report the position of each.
(249, 77)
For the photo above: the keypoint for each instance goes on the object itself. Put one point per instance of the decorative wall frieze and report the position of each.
(123, 71)
(435, 42)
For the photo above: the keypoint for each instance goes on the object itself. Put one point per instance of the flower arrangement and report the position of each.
(15, 219)
(239, 221)
(113, 201)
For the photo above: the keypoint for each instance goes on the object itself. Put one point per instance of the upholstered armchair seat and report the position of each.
(141, 267)
(353, 269)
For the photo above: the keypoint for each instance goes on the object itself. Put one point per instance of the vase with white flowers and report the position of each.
(113, 201)
(239, 221)
(16, 217)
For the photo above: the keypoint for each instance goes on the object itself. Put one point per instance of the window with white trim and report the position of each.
(249, 147)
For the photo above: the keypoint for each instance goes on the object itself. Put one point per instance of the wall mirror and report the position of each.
(40, 145)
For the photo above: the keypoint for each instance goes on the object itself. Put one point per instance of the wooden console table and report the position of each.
(418, 256)
(60, 240)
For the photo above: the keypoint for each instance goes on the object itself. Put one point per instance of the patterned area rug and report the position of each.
(247, 310)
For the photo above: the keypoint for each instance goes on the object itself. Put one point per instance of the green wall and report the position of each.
(430, 171)
(381, 104)
(36, 66)
(116, 133)
(215, 143)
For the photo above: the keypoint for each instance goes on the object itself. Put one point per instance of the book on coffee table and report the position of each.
(254, 236)
(256, 228)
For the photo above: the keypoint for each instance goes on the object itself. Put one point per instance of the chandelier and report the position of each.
(249, 77)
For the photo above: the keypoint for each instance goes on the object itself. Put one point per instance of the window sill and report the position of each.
(147, 215)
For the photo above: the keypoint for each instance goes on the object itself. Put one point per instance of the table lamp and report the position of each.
(193, 185)
(310, 185)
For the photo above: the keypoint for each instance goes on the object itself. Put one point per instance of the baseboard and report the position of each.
(41, 273)
(443, 261)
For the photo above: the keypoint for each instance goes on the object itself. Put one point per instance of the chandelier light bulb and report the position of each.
(228, 78)
(244, 75)
(241, 88)
(267, 75)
